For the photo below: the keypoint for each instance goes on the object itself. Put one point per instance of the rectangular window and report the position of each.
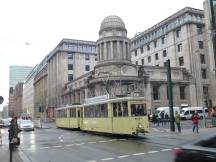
(181, 61)
(70, 66)
(87, 68)
(205, 91)
(155, 44)
(70, 77)
(202, 58)
(204, 75)
(148, 47)
(164, 53)
(156, 56)
(135, 52)
(179, 47)
(162, 40)
(70, 56)
(156, 93)
(141, 50)
(87, 57)
(178, 33)
(200, 44)
(149, 58)
(182, 92)
(142, 61)
(199, 29)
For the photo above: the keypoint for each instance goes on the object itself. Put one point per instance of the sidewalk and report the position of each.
(4, 149)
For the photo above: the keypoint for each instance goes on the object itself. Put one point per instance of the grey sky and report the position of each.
(32, 28)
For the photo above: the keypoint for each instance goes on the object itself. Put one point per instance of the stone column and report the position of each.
(111, 49)
(124, 50)
(101, 52)
(98, 50)
(118, 50)
(105, 51)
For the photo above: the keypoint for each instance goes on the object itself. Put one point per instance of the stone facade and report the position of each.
(69, 60)
(116, 76)
(28, 94)
(180, 38)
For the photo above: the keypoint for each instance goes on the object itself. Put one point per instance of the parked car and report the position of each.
(5, 122)
(26, 125)
(187, 112)
(203, 150)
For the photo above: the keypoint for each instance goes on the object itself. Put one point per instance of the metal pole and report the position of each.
(169, 79)
(11, 151)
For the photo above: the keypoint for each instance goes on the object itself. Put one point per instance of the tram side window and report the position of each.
(104, 110)
(62, 113)
(72, 112)
(138, 109)
(96, 111)
(115, 109)
(119, 110)
(125, 108)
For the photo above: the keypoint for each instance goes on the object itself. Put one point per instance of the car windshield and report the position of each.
(26, 122)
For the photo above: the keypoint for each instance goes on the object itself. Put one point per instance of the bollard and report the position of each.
(11, 145)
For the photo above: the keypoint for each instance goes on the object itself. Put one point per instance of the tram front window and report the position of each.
(138, 110)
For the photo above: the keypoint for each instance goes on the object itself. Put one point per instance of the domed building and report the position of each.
(115, 75)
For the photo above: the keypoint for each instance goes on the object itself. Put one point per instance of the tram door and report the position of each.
(80, 117)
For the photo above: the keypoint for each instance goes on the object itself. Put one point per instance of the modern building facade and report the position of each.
(69, 60)
(116, 76)
(28, 94)
(180, 38)
(18, 74)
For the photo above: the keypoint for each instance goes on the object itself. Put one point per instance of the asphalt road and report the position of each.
(59, 145)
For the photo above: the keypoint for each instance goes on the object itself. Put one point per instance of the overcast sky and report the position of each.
(30, 29)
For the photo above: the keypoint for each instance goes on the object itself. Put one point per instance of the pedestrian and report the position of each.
(166, 118)
(177, 121)
(162, 117)
(195, 120)
(13, 131)
(154, 118)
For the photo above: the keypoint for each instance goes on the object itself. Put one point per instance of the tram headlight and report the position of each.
(140, 126)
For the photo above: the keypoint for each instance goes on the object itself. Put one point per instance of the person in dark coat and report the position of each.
(13, 130)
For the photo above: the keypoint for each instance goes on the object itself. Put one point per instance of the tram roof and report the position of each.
(115, 100)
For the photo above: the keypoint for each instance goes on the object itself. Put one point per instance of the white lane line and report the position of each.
(92, 142)
(92, 161)
(141, 153)
(57, 146)
(113, 140)
(78, 144)
(107, 159)
(44, 147)
(176, 148)
(151, 152)
(103, 141)
(123, 156)
(122, 139)
(165, 149)
(69, 145)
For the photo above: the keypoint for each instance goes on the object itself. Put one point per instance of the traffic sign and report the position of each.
(1, 99)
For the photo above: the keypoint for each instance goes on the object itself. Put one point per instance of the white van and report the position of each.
(166, 111)
(187, 112)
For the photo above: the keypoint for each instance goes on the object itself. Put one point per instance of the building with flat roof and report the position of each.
(18, 74)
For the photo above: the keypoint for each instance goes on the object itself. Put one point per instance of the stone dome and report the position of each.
(112, 21)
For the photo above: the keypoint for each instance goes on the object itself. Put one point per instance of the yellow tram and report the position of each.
(126, 115)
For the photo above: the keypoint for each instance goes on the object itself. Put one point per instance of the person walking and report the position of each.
(195, 120)
(13, 131)
(177, 121)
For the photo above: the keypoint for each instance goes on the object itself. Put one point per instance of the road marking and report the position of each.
(165, 149)
(57, 146)
(78, 144)
(92, 142)
(113, 140)
(44, 147)
(103, 141)
(122, 139)
(123, 156)
(107, 159)
(69, 145)
(92, 161)
(141, 153)
(151, 152)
